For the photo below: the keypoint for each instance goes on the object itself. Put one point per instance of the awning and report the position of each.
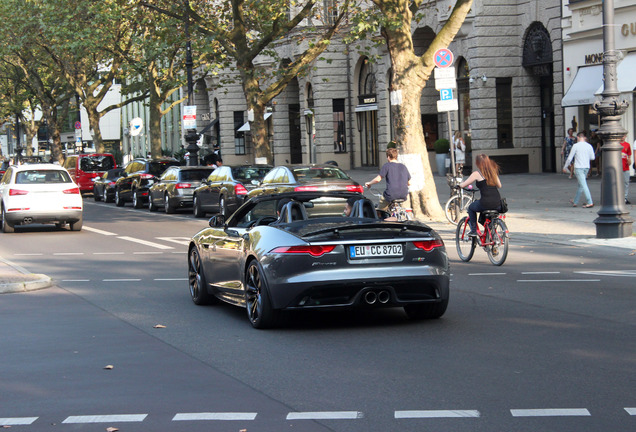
(244, 128)
(583, 88)
(625, 73)
(209, 126)
(370, 107)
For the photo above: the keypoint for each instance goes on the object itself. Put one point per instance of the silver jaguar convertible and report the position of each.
(298, 250)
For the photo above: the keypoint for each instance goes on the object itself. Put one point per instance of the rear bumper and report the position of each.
(31, 217)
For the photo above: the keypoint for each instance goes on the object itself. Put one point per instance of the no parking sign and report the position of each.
(443, 58)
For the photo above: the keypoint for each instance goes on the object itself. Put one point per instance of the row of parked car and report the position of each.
(163, 184)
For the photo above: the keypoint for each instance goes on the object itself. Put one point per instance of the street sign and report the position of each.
(443, 58)
(136, 126)
(441, 73)
(447, 105)
(78, 125)
(445, 83)
(189, 117)
(446, 94)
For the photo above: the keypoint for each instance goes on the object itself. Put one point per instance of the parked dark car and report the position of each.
(83, 168)
(104, 186)
(175, 187)
(226, 189)
(138, 176)
(275, 254)
(307, 178)
(3, 167)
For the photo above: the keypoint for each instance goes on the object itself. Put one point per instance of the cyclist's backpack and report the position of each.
(503, 207)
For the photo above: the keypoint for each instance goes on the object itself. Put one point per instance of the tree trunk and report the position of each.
(93, 120)
(54, 134)
(154, 122)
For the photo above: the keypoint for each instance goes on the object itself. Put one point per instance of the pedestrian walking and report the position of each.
(581, 153)
(568, 143)
(460, 152)
(626, 156)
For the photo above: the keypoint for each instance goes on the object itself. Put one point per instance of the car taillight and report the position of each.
(111, 183)
(72, 191)
(428, 245)
(239, 189)
(13, 192)
(315, 250)
(306, 188)
(183, 186)
(355, 188)
(146, 176)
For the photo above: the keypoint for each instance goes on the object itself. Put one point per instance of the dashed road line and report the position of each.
(121, 280)
(145, 242)
(631, 411)
(17, 421)
(550, 412)
(558, 280)
(325, 415)
(28, 254)
(214, 416)
(109, 253)
(411, 414)
(98, 231)
(486, 274)
(170, 279)
(179, 240)
(67, 253)
(147, 253)
(621, 273)
(114, 418)
(76, 280)
(540, 273)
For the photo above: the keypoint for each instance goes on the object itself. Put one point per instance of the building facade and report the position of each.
(508, 60)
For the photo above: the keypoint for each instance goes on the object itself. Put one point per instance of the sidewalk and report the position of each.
(539, 211)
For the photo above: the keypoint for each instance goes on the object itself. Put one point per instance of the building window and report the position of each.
(331, 11)
(504, 113)
(339, 136)
(239, 137)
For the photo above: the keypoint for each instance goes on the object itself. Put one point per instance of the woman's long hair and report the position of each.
(488, 168)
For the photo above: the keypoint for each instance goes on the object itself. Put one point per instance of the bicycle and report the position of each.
(494, 238)
(402, 214)
(458, 203)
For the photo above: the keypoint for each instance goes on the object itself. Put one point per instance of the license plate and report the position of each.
(375, 251)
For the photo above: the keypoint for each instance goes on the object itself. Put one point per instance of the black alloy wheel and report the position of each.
(137, 200)
(119, 202)
(196, 280)
(96, 196)
(257, 300)
(222, 208)
(166, 205)
(197, 211)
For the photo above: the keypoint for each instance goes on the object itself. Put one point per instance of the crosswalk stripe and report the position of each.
(114, 418)
(214, 416)
(325, 415)
(550, 412)
(436, 414)
(16, 421)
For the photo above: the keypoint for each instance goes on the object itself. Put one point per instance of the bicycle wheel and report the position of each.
(456, 209)
(498, 235)
(465, 244)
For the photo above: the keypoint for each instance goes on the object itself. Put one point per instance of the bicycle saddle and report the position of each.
(490, 214)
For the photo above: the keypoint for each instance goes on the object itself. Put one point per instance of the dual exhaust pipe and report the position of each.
(382, 297)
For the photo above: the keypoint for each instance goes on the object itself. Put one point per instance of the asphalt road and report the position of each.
(545, 342)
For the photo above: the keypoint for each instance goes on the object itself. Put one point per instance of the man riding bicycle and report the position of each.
(397, 177)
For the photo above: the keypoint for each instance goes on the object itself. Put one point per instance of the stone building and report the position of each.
(508, 60)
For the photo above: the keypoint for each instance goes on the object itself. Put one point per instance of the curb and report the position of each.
(30, 281)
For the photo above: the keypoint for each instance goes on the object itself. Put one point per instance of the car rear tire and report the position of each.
(151, 205)
(119, 202)
(137, 201)
(7, 227)
(96, 196)
(196, 280)
(166, 205)
(197, 211)
(257, 299)
(105, 196)
(77, 225)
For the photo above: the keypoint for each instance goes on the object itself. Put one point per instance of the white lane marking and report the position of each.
(214, 416)
(76, 280)
(325, 415)
(28, 254)
(631, 411)
(68, 253)
(172, 279)
(539, 273)
(15, 421)
(147, 253)
(145, 242)
(108, 253)
(114, 418)
(121, 280)
(436, 414)
(558, 280)
(486, 274)
(550, 412)
(98, 231)
(180, 252)
(180, 240)
(621, 273)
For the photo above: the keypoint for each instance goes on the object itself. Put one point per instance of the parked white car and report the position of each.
(39, 193)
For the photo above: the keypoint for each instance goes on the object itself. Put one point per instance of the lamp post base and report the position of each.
(613, 226)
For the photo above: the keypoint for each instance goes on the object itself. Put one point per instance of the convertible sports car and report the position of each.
(283, 252)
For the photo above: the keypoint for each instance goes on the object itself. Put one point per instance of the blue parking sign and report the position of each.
(446, 94)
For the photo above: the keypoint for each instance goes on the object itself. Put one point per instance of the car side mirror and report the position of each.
(217, 221)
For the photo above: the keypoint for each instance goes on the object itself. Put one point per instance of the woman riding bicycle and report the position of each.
(487, 177)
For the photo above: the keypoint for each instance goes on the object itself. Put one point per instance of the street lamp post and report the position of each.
(191, 137)
(613, 220)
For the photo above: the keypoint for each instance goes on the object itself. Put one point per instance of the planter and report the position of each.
(440, 160)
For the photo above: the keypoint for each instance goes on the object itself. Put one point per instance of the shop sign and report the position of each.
(627, 29)
(593, 58)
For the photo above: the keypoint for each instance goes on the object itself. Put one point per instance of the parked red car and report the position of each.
(83, 168)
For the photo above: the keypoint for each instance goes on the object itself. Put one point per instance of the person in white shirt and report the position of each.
(582, 153)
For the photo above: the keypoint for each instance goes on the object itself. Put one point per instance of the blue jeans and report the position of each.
(581, 174)
(472, 214)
